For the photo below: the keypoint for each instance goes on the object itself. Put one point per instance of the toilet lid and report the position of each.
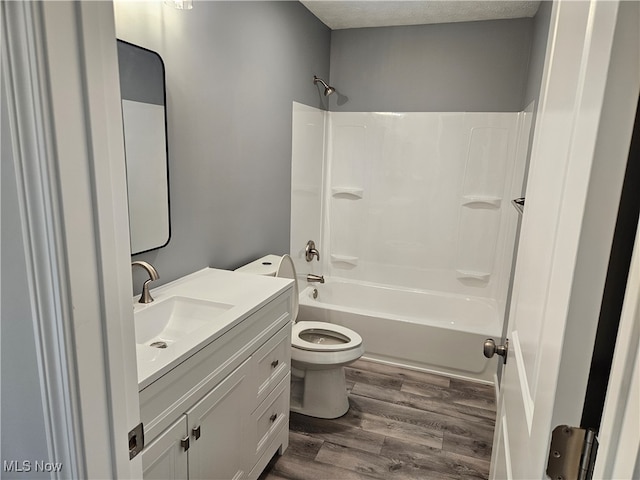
(351, 338)
(286, 269)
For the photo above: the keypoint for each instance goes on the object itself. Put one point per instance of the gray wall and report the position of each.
(474, 66)
(541, 24)
(22, 416)
(233, 69)
(232, 72)
(538, 51)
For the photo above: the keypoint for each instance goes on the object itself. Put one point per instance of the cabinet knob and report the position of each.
(274, 364)
(273, 417)
(196, 432)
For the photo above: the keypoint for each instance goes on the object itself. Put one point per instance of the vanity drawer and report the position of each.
(272, 362)
(270, 417)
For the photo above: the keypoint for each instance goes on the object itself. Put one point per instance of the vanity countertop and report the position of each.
(242, 294)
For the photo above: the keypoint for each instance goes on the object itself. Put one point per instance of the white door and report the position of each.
(580, 150)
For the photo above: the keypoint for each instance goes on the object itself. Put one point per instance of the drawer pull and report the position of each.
(196, 432)
(273, 417)
(184, 443)
(274, 364)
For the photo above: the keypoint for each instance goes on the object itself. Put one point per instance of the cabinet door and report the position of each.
(218, 429)
(165, 457)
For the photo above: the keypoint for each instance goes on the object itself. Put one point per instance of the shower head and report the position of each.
(328, 90)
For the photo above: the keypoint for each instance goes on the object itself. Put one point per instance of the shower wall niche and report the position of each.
(417, 200)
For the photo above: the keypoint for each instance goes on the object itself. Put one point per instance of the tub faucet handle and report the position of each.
(311, 251)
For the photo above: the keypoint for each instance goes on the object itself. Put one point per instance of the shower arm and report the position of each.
(316, 80)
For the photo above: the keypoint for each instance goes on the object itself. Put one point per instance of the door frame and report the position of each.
(619, 438)
(59, 63)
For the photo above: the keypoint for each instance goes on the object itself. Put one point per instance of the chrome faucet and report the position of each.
(153, 275)
(310, 251)
(315, 278)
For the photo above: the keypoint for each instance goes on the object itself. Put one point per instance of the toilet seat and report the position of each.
(353, 339)
(286, 269)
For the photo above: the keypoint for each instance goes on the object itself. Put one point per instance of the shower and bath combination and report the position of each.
(328, 90)
(413, 309)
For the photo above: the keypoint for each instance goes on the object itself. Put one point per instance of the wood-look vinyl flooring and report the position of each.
(402, 424)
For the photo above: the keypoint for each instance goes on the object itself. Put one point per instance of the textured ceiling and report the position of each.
(340, 14)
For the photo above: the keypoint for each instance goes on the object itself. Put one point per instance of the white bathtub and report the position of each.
(436, 332)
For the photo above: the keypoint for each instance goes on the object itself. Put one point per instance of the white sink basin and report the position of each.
(166, 322)
(192, 312)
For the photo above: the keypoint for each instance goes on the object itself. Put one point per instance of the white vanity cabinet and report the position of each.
(224, 411)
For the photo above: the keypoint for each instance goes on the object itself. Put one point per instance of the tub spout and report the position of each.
(315, 278)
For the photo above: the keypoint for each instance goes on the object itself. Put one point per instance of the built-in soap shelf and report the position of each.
(486, 201)
(483, 276)
(347, 192)
(348, 259)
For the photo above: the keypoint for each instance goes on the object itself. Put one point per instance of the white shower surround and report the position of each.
(418, 201)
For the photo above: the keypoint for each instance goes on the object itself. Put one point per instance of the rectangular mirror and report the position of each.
(143, 95)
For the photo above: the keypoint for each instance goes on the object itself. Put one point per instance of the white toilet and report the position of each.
(319, 350)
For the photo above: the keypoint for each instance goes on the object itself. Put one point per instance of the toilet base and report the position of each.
(324, 393)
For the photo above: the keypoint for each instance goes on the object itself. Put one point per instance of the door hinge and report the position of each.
(572, 453)
(136, 440)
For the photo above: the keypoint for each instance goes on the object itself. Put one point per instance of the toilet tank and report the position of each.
(267, 265)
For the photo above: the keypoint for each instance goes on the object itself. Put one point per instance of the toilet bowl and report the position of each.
(319, 350)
